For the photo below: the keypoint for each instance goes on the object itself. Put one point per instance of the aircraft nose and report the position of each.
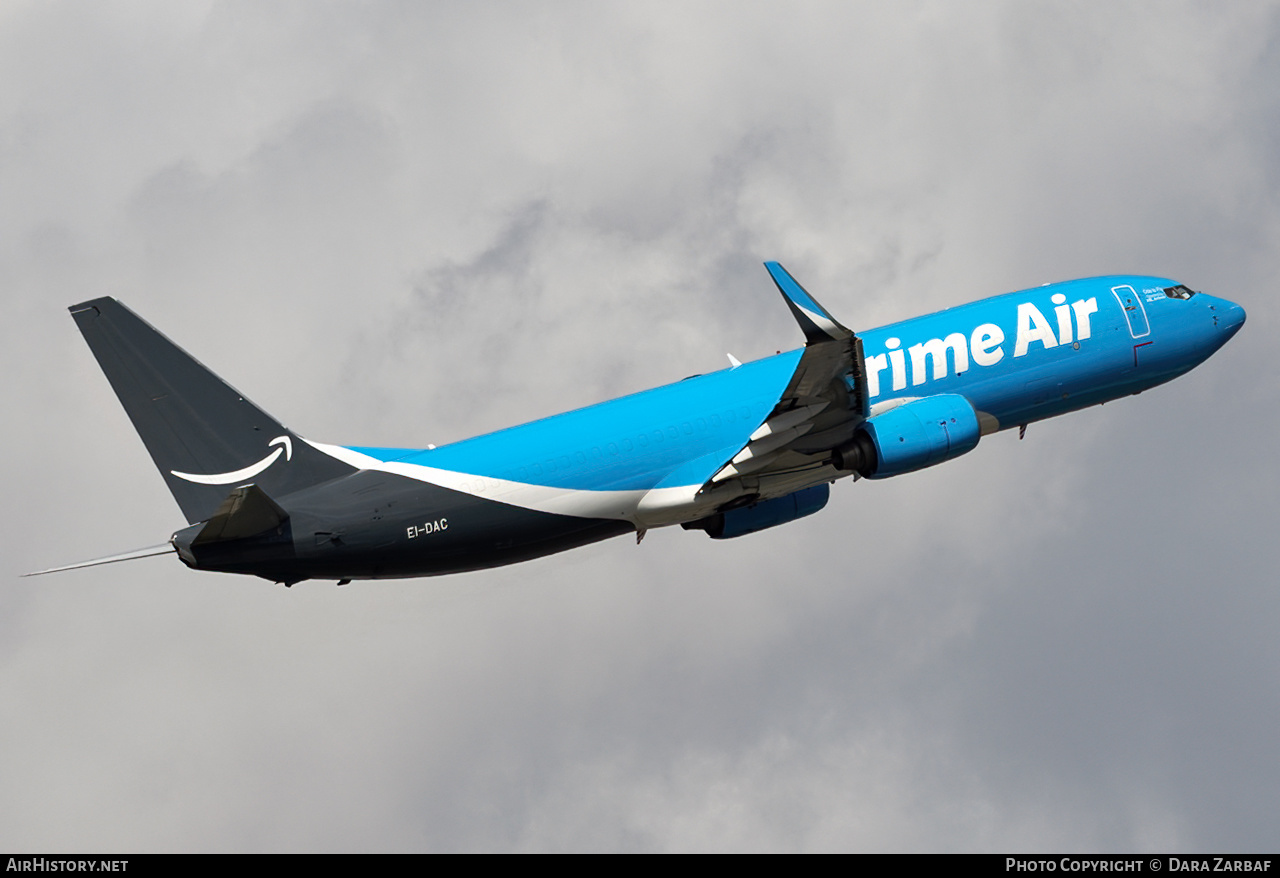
(1234, 318)
(1227, 318)
(1231, 317)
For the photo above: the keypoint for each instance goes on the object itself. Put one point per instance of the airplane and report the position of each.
(750, 447)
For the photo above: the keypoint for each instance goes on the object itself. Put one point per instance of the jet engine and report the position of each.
(758, 516)
(912, 436)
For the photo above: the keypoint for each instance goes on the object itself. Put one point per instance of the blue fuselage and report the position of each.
(1019, 357)
(1042, 352)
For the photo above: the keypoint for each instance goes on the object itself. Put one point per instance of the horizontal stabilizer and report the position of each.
(246, 512)
(110, 559)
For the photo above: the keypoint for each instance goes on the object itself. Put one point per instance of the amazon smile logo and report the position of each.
(286, 447)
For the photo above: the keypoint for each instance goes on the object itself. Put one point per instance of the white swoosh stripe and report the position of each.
(577, 502)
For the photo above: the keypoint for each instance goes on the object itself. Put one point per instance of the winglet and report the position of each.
(816, 322)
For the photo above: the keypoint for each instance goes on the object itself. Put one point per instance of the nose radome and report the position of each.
(1228, 317)
(1233, 318)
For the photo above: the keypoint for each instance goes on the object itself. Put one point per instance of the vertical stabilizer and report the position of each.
(204, 436)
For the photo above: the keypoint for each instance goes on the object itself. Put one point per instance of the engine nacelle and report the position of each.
(765, 514)
(912, 436)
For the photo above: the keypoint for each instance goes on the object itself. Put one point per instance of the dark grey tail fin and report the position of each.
(205, 437)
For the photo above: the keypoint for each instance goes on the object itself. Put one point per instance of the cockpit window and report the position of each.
(1179, 292)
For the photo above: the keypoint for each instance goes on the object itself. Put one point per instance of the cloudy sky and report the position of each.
(406, 223)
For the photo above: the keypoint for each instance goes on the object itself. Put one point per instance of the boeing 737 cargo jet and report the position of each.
(737, 451)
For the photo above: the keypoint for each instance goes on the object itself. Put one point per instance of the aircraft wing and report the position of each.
(823, 405)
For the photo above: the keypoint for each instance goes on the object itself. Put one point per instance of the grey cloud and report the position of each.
(398, 224)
